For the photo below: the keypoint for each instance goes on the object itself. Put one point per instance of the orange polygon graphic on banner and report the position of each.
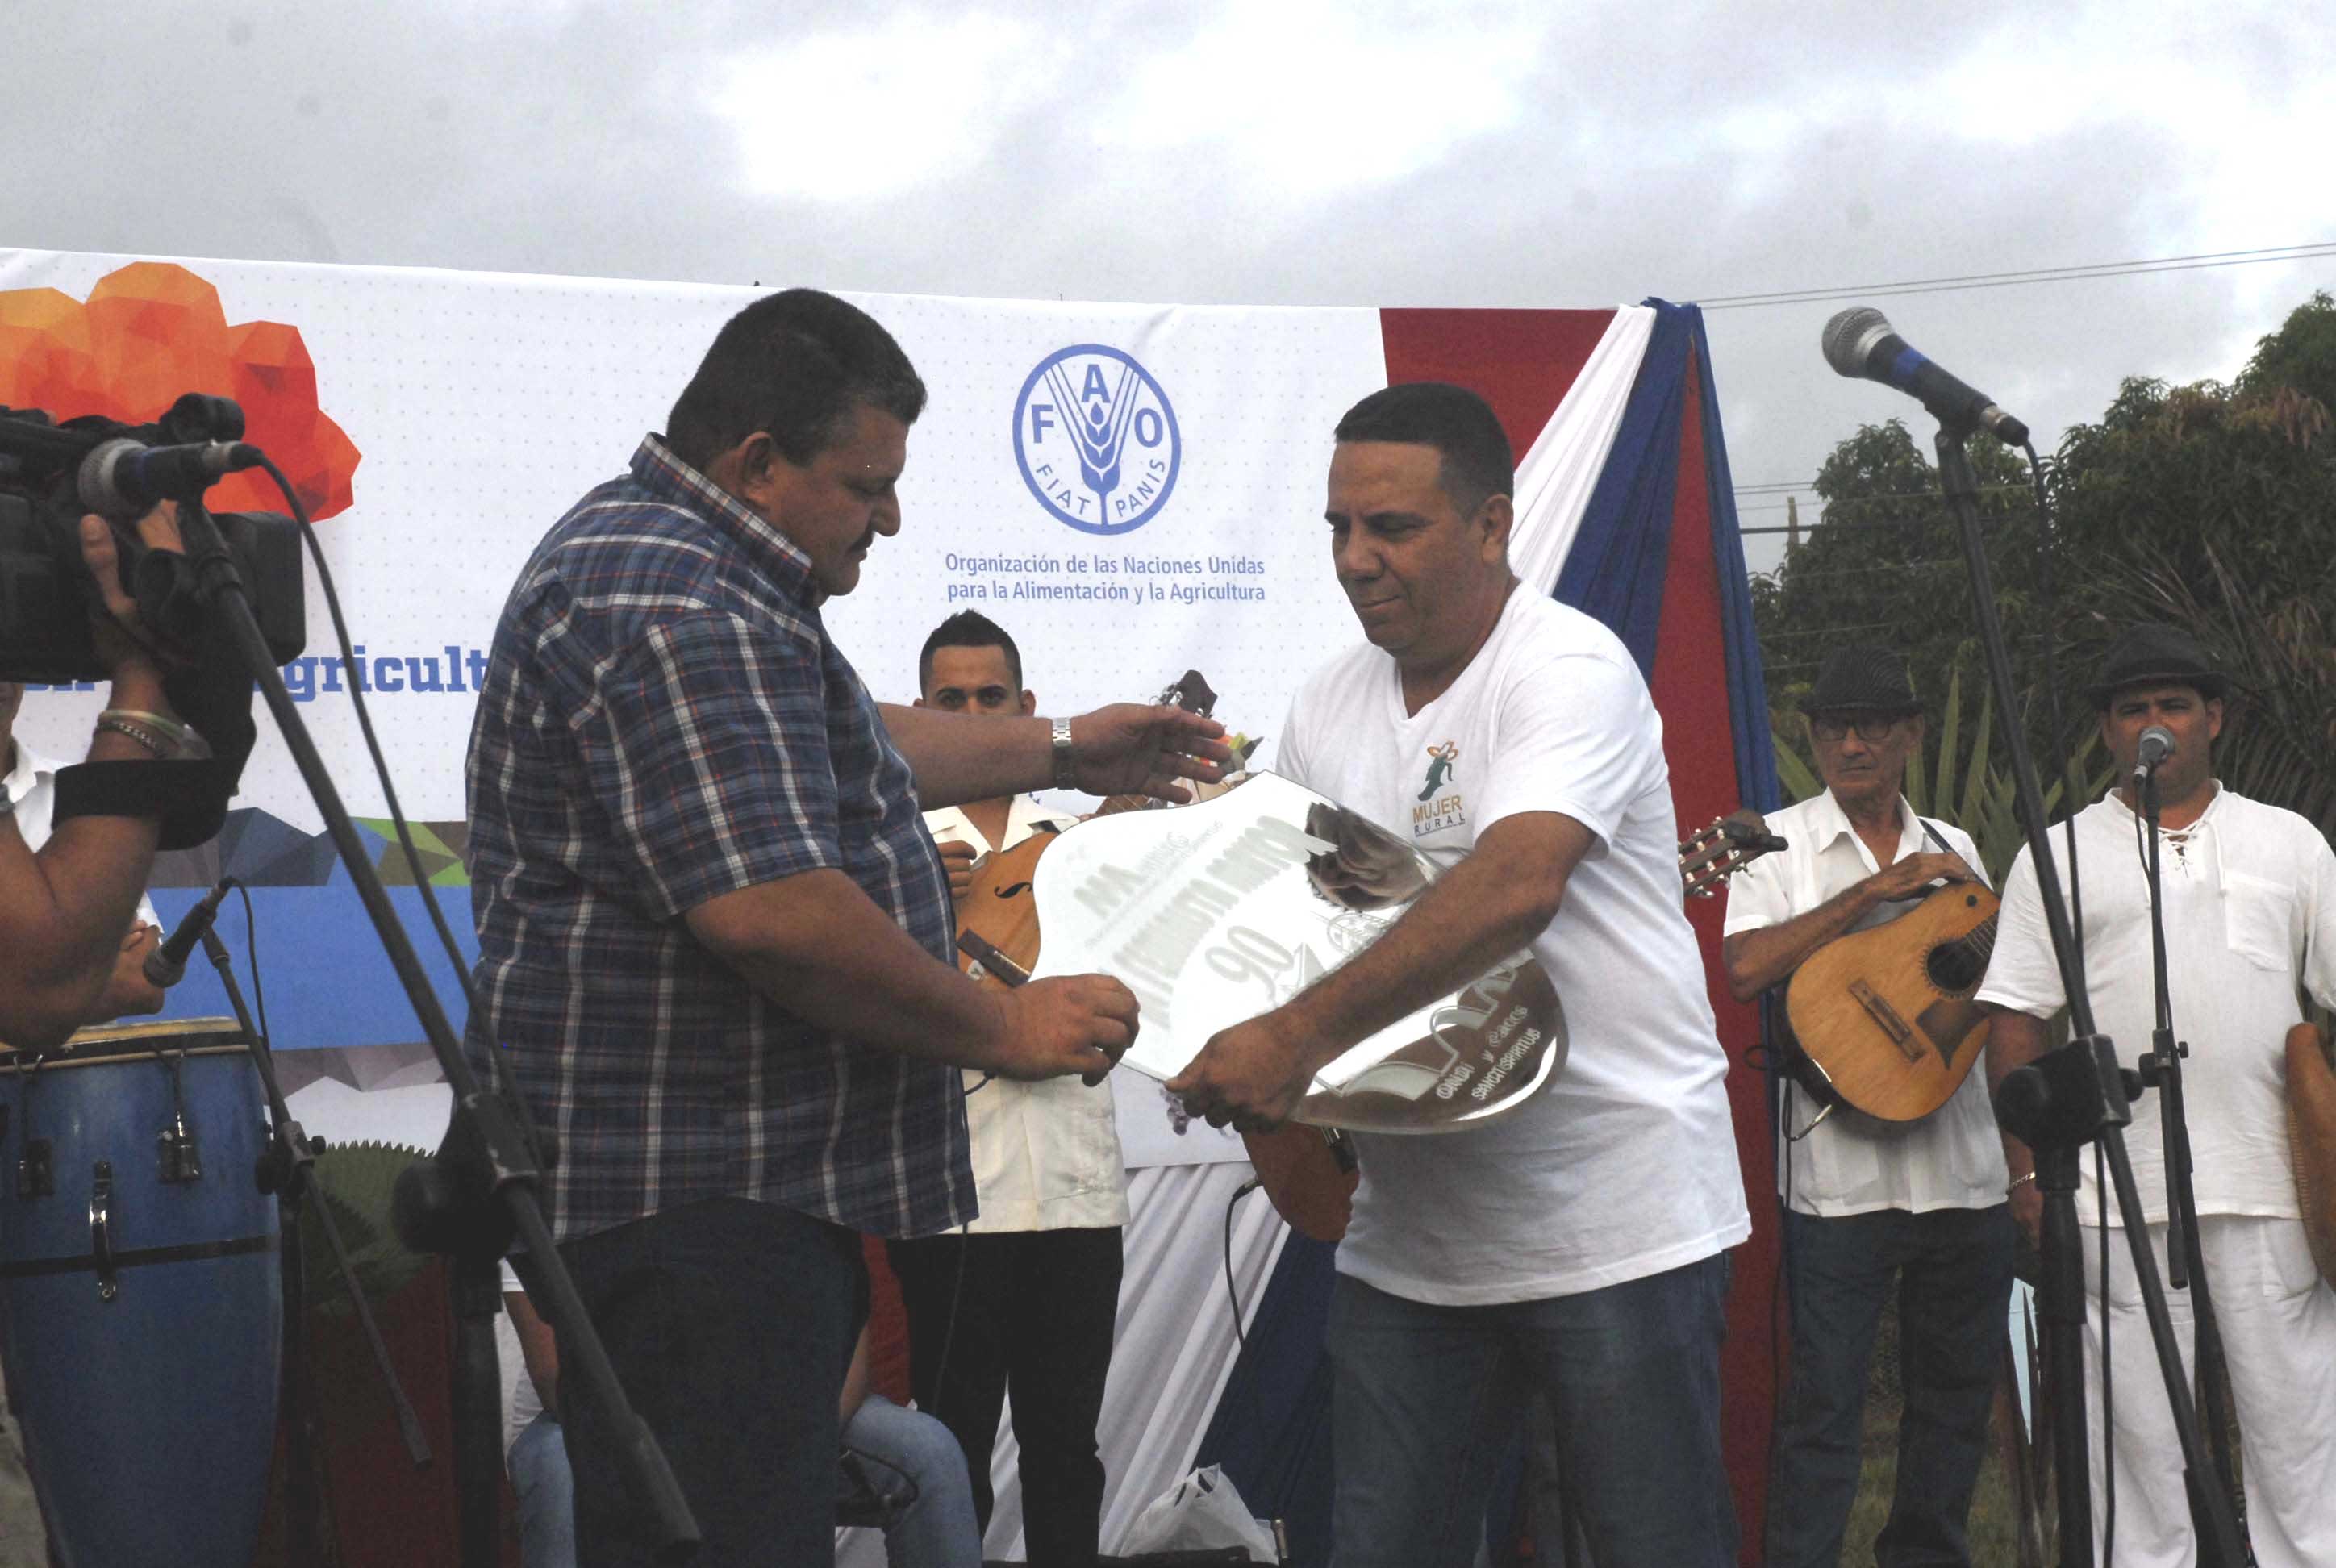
(153, 331)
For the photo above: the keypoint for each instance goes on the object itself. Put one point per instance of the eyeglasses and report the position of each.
(1873, 729)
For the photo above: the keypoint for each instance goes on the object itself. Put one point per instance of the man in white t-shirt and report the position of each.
(1868, 1202)
(1020, 1302)
(2250, 911)
(1576, 1246)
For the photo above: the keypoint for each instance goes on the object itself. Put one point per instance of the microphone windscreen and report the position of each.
(1850, 337)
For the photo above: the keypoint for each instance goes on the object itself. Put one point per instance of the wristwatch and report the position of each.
(1066, 755)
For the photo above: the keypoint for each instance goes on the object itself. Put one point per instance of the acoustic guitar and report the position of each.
(1310, 1173)
(1885, 1018)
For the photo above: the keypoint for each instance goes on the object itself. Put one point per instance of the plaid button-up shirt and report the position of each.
(665, 720)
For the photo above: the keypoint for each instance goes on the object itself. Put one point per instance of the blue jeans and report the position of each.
(911, 1467)
(1425, 1401)
(1953, 1270)
(905, 1464)
(538, 1463)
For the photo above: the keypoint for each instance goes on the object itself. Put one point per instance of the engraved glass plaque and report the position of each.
(1217, 912)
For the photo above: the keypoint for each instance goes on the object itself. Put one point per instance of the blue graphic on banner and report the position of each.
(1096, 439)
(329, 983)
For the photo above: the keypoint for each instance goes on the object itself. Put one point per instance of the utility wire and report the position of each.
(2314, 251)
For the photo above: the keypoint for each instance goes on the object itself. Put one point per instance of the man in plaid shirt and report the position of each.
(714, 936)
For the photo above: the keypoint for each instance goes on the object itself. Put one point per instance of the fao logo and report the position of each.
(1096, 439)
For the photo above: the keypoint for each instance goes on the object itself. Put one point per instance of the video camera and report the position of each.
(51, 474)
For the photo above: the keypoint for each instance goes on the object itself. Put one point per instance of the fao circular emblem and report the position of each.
(1096, 439)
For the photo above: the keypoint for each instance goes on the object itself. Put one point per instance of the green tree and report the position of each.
(1886, 566)
(2302, 354)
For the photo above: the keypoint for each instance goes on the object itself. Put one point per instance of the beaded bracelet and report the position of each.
(162, 747)
(170, 728)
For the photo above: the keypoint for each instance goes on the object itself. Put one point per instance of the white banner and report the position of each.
(481, 407)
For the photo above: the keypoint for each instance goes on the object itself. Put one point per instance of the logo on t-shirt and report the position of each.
(1440, 805)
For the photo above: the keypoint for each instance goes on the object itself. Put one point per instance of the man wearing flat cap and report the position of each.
(1866, 1202)
(2250, 909)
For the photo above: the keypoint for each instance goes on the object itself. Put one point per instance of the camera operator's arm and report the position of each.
(63, 911)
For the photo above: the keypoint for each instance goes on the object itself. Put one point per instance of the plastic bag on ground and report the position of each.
(1204, 1510)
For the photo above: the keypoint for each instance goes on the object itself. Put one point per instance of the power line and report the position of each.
(1778, 492)
(2313, 250)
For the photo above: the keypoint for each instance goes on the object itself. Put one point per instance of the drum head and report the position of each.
(113, 1042)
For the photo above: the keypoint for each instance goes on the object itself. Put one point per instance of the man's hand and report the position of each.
(128, 990)
(124, 645)
(1139, 748)
(2028, 1212)
(959, 859)
(1068, 1023)
(1250, 1075)
(1911, 877)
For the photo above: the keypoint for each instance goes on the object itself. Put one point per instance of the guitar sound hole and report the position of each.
(1953, 966)
(1011, 889)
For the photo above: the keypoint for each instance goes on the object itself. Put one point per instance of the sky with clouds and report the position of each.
(1301, 152)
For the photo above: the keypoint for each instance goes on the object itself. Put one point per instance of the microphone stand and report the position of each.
(2186, 1259)
(2067, 1098)
(288, 1170)
(481, 1187)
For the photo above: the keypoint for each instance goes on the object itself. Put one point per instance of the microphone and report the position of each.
(167, 965)
(122, 478)
(2157, 745)
(1859, 341)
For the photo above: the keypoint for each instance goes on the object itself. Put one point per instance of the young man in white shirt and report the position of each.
(1022, 1300)
(1576, 1246)
(1866, 1201)
(2250, 909)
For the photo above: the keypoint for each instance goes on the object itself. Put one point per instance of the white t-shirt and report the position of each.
(2250, 918)
(1046, 1155)
(31, 786)
(1950, 1159)
(521, 1403)
(1625, 1165)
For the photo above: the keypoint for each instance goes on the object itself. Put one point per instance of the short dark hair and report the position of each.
(794, 365)
(968, 629)
(1460, 425)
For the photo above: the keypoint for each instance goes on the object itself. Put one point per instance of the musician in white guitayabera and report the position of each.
(2250, 909)
(1019, 1304)
(1868, 1205)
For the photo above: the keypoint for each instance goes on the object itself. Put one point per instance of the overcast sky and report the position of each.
(1280, 151)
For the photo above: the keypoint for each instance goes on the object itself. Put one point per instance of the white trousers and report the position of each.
(2278, 1321)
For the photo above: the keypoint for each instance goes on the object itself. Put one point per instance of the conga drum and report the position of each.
(140, 1291)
